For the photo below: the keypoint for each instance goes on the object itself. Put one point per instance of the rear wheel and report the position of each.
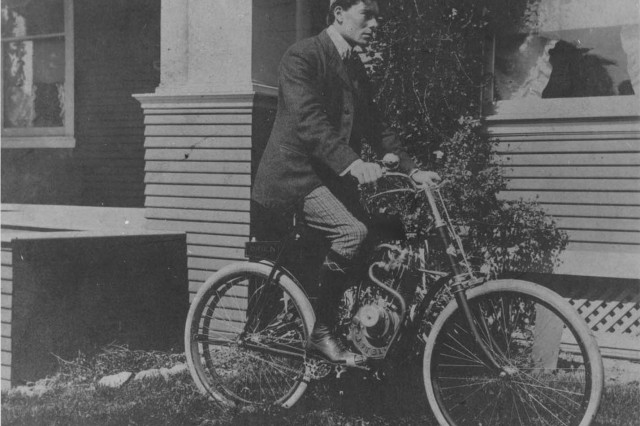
(245, 337)
(551, 370)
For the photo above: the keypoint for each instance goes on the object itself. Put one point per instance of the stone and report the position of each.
(115, 380)
(152, 373)
(165, 373)
(178, 369)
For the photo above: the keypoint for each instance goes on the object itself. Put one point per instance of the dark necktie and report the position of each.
(353, 64)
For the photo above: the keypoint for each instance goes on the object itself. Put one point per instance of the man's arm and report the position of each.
(302, 96)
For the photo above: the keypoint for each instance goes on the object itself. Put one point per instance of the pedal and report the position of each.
(316, 369)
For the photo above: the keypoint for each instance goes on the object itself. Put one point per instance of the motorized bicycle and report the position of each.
(504, 351)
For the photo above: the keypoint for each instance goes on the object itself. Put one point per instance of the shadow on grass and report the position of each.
(355, 398)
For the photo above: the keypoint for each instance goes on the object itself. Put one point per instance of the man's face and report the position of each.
(357, 23)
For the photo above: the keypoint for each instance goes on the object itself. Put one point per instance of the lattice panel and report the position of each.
(609, 309)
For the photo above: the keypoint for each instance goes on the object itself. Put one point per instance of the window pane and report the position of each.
(33, 77)
(601, 61)
(32, 17)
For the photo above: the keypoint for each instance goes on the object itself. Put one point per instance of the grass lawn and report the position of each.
(72, 398)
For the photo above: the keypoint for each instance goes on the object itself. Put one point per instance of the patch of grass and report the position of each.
(355, 399)
(111, 360)
(150, 403)
(620, 406)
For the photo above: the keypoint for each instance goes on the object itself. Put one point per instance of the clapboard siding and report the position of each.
(232, 142)
(596, 211)
(199, 215)
(584, 173)
(198, 164)
(544, 183)
(205, 191)
(569, 146)
(199, 179)
(198, 203)
(51, 270)
(198, 154)
(576, 197)
(562, 171)
(234, 229)
(6, 277)
(197, 167)
(573, 159)
(199, 130)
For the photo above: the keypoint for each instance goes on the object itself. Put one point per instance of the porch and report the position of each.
(77, 278)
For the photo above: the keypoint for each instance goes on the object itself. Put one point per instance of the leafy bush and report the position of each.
(427, 65)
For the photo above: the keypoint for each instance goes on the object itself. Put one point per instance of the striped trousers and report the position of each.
(324, 212)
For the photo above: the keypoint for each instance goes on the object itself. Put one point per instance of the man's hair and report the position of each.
(345, 4)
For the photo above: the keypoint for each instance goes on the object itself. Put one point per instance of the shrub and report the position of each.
(427, 66)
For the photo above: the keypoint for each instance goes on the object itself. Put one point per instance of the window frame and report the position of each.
(550, 108)
(50, 137)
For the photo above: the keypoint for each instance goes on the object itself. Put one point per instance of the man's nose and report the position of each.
(373, 23)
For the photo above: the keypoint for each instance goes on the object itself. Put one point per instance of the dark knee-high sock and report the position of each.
(332, 284)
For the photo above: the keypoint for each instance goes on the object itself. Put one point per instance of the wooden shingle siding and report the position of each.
(117, 52)
(586, 173)
(7, 294)
(198, 156)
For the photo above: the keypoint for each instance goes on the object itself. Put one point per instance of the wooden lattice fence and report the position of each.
(613, 313)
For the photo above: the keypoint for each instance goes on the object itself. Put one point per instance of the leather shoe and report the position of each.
(330, 347)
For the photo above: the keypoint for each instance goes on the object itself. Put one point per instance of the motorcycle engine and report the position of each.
(377, 319)
(372, 328)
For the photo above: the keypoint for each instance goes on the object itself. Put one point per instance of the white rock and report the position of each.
(178, 369)
(153, 373)
(165, 373)
(115, 380)
(32, 390)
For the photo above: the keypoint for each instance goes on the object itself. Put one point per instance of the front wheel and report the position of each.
(245, 336)
(550, 366)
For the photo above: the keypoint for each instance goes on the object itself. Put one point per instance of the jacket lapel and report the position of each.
(333, 58)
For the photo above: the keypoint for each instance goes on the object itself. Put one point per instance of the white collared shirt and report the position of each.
(344, 49)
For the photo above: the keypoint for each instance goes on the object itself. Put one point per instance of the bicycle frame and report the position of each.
(462, 279)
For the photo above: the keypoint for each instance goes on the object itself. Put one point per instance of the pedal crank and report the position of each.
(316, 368)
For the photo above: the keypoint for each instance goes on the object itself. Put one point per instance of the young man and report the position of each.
(325, 110)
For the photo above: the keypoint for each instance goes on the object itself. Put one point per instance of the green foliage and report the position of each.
(427, 65)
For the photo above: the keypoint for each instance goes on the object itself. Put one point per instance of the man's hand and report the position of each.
(425, 177)
(365, 172)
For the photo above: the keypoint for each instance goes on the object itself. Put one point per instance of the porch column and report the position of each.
(208, 120)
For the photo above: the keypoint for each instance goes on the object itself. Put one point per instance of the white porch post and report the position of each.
(200, 131)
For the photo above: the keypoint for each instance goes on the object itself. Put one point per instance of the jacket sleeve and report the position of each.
(301, 91)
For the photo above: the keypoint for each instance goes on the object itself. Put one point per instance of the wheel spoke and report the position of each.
(467, 391)
(252, 340)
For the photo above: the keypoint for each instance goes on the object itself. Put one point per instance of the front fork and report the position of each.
(459, 291)
(460, 277)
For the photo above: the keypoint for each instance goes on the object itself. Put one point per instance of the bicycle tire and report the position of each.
(555, 379)
(236, 333)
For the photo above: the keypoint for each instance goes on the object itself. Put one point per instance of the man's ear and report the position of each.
(337, 14)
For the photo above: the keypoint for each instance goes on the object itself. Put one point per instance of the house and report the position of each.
(566, 110)
(79, 269)
(163, 107)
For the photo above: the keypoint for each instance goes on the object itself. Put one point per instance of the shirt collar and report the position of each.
(344, 49)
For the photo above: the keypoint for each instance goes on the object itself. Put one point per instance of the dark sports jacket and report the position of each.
(325, 111)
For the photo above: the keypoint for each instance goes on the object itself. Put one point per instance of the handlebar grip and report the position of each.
(391, 161)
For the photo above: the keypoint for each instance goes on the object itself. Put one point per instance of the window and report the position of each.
(37, 74)
(567, 49)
